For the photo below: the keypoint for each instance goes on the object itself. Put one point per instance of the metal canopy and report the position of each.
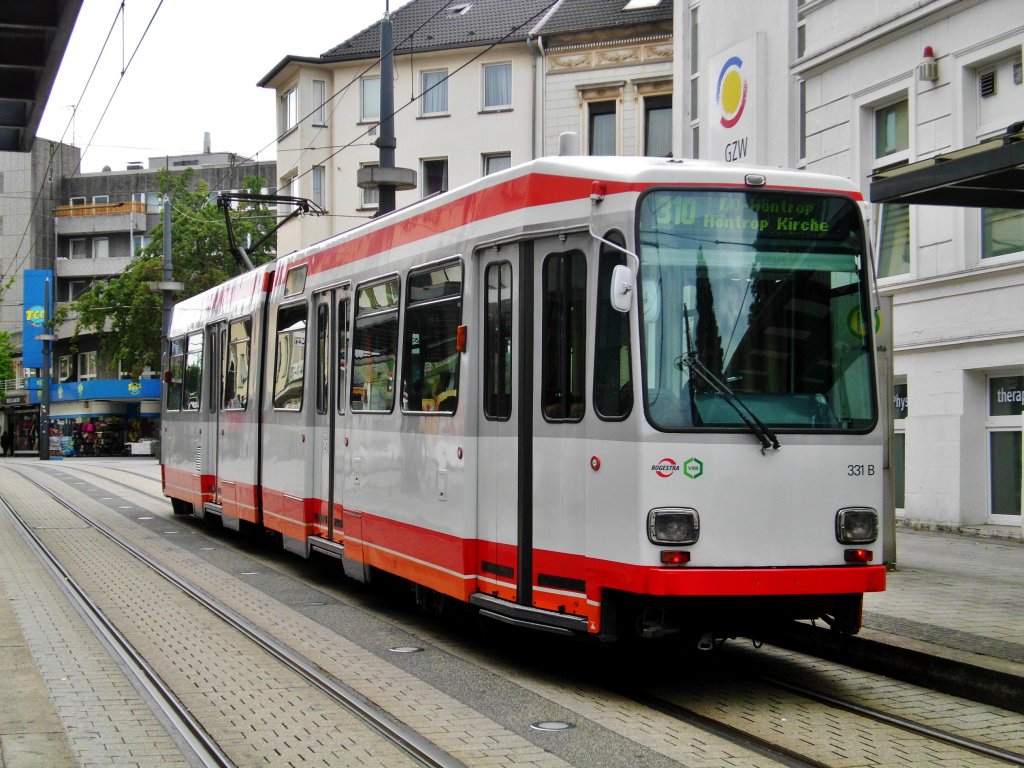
(33, 37)
(987, 175)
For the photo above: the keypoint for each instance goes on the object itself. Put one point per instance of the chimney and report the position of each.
(206, 143)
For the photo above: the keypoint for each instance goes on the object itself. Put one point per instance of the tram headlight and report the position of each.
(856, 525)
(673, 525)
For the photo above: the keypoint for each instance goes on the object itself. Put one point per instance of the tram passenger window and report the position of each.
(430, 366)
(289, 365)
(375, 347)
(177, 370)
(613, 386)
(563, 371)
(193, 372)
(498, 343)
(236, 368)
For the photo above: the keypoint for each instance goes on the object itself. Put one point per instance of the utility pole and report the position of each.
(385, 177)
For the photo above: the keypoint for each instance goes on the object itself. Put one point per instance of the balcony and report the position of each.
(100, 218)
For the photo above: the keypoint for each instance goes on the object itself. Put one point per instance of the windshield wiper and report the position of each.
(761, 431)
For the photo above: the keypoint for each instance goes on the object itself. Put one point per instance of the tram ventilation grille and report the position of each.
(199, 459)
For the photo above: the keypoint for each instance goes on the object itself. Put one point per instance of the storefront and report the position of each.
(101, 417)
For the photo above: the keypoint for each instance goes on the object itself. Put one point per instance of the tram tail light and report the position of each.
(673, 525)
(856, 525)
(859, 555)
(461, 338)
(674, 557)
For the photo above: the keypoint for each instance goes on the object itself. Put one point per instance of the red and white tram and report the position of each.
(591, 395)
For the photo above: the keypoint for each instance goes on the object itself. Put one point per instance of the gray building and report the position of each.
(87, 227)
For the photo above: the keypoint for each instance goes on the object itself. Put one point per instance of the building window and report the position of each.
(1002, 232)
(319, 179)
(434, 86)
(66, 368)
(78, 250)
(435, 176)
(498, 162)
(658, 126)
(76, 288)
(601, 123)
(100, 199)
(369, 89)
(892, 131)
(77, 201)
(430, 364)
(1006, 394)
(86, 366)
(898, 452)
(370, 197)
(497, 85)
(319, 99)
(138, 243)
(289, 110)
(894, 240)
(100, 248)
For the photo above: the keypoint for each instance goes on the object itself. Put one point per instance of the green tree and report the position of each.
(6, 356)
(126, 313)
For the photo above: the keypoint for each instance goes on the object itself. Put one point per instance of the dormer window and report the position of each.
(637, 5)
(459, 9)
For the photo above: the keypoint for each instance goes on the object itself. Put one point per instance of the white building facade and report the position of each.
(886, 84)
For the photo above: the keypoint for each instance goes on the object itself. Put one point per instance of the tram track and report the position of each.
(415, 747)
(780, 747)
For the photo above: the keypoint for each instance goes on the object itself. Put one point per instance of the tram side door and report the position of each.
(215, 338)
(329, 412)
(503, 498)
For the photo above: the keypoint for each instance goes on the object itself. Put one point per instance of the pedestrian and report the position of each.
(6, 443)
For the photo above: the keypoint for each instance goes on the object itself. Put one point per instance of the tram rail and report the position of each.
(416, 747)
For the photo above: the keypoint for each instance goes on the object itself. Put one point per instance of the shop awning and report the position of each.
(986, 175)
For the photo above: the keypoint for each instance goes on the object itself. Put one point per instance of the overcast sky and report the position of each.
(195, 70)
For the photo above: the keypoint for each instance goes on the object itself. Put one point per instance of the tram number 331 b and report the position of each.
(860, 470)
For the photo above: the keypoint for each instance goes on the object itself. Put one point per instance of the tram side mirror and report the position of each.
(622, 288)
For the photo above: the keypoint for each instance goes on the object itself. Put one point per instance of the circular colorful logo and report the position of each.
(35, 315)
(731, 93)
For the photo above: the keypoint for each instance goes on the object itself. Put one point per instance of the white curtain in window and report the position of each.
(602, 136)
(435, 93)
(659, 132)
(497, 85)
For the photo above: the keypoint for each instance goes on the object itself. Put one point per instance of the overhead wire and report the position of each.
(17, 265)
(416, 97)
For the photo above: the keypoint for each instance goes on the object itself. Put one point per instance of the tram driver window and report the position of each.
(430, 366)
(564, 336)
(613, 385)
(289, 365)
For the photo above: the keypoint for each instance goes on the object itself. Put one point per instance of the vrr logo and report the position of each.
(693, 468)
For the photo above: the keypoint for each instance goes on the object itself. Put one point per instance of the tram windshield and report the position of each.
(753, 307)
